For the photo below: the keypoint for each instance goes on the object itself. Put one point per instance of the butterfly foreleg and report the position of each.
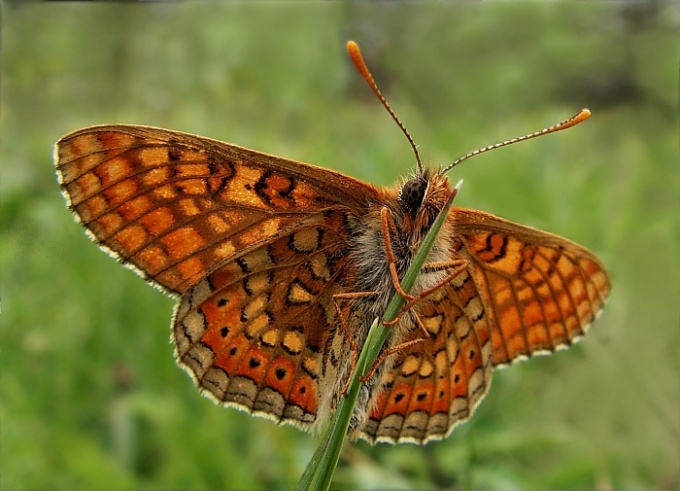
(387, 223)
(456, 265)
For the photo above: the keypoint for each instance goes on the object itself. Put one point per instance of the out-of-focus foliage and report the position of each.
(90, 394)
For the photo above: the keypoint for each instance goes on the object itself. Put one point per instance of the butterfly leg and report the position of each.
(387, 352)
(457, 265)
(395, 349)
(343, 321)
(354, 348)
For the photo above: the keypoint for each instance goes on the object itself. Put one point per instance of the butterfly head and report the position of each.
(422, 196)
(412, 194)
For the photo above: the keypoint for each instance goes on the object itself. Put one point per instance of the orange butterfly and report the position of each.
(280, 268)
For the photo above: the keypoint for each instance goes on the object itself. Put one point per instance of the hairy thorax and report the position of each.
(369, 255)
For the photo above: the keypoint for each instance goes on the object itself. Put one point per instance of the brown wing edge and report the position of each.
(352, 190)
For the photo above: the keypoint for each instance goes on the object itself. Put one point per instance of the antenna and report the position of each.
(355, 54)
(582, 115)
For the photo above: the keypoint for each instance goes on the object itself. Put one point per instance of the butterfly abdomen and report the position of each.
(369, 254)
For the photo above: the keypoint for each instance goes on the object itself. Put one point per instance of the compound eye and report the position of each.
(412, 194)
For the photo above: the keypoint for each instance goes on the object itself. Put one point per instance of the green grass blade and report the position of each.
(319, 472)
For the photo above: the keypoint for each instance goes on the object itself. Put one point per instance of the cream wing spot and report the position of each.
(305, 241)
(459, 281)
(293, 342)
(298, 293)
(258, 283)
(319, 267)
(254, 307)
(258, 324)
(410, 366)
(426, 369)
(441, 362)
(311, 366)
(433, 324)
(258, 259)
(270, 338)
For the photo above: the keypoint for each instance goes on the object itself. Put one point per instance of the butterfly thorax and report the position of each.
(412, 208)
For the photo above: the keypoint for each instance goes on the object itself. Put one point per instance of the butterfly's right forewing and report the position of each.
(540, 291)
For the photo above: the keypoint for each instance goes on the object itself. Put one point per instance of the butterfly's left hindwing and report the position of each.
(253, 332)
(173, 205)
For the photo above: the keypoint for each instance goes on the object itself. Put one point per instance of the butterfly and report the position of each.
(279, 268)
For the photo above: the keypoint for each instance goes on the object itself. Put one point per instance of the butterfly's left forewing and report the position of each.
(173, 205)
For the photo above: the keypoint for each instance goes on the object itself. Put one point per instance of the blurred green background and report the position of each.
(90, 394)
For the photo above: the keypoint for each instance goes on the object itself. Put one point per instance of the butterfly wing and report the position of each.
(172, 205)
(540, 291)
(524, 292)
(255, 332)
(436, 384)
(255, 245)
